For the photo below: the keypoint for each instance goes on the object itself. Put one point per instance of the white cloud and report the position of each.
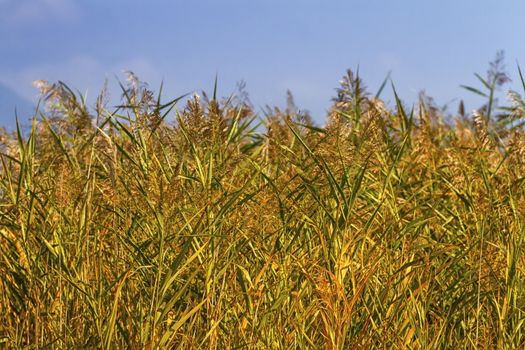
(16, 13)
(84, 73)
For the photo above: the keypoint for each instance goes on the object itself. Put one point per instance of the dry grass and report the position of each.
(385, 229)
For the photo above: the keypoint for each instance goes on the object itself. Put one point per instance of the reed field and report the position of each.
(196, 223)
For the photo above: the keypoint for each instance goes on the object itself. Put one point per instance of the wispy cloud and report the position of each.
(16, 13)
(81, 72)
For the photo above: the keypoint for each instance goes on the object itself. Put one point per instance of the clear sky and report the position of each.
(272, 45)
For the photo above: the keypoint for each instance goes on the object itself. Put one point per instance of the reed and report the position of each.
(389, 228)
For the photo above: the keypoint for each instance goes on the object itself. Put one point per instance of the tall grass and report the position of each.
(386, 228)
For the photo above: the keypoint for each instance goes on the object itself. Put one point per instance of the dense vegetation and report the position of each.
(395, 228)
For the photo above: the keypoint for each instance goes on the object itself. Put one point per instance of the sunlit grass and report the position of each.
(385, 228)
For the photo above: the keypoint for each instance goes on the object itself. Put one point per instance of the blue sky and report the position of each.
(301, 45)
